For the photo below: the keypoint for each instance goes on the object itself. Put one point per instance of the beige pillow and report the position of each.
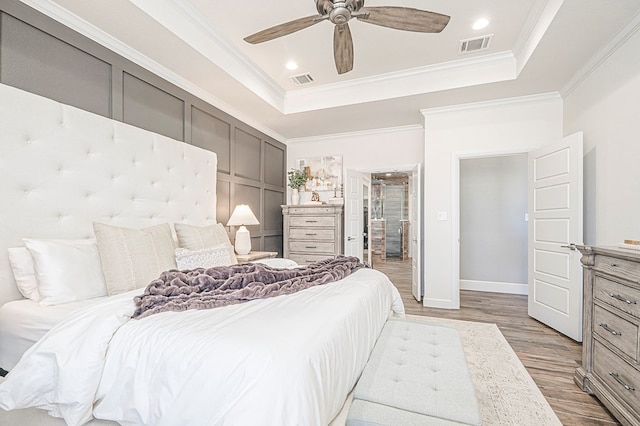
(202, 237)
(132, 258)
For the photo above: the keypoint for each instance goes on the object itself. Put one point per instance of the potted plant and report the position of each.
(297, 179)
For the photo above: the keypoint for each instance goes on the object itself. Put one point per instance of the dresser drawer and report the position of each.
(311, 210)
(609, 367)
(615, 294)
(619, 332)
(311, 234)
(312, 247)
(305, 259)
(312, 221)
(618, 267)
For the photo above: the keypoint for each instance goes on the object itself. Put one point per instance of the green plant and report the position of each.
(297, 178)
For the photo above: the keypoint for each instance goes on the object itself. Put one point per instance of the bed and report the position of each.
(284, 360)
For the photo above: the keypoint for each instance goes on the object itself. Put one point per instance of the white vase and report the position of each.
(295, 196)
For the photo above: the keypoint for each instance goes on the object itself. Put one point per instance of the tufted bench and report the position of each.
(417, 374)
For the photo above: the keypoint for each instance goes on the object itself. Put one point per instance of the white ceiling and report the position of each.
(538, 46)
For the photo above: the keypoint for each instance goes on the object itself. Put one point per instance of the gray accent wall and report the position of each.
(42, 56)
(493, 230)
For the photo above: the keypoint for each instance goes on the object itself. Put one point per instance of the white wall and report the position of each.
(493, 230)
(606, 107)
(465, 131)
(374, 150)
(367, 151)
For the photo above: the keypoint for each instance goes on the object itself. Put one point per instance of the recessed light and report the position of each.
(292, 65)
(480, 24)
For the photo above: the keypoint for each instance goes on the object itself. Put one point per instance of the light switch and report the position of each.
(526, 217)
(442, 216)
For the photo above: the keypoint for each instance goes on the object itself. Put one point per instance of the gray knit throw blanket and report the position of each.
(229, 285)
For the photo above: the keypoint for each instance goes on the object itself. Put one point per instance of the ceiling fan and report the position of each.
(339, 12)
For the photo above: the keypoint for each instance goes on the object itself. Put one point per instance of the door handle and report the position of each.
(571, 246)
(351, 238)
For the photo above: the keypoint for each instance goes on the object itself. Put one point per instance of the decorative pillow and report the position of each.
(205, 258)
(132, 258)
(201, 237)
(23, 272)
(66, 270)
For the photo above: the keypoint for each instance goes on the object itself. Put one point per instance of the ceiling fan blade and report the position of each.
(343, 48)
(283, 29)
(404, 18)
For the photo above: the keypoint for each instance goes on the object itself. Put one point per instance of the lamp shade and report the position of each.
(242, 215)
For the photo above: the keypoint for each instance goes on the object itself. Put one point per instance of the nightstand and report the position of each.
(255, 255)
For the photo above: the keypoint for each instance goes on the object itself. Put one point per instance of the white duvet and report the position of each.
(288, 360)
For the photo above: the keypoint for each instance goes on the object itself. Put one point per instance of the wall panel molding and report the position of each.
(97, 79)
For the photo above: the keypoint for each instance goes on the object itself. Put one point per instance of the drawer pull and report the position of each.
(311, 221)
(606, 327)
(311, 235)
(617, 378)
(310, 247)
(622, 299)
(614, 265)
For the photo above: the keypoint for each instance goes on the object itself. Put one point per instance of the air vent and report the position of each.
(302, 79)
(475, 44)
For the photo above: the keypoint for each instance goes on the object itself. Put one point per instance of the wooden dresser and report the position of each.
(610, 353)
(312, 232)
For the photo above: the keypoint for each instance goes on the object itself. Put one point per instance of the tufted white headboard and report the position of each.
(62, 168)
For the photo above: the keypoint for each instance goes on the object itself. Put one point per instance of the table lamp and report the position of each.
(241, 216)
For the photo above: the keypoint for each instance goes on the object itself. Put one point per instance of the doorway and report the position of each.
(493, 224)
(390, 229)
(390, 226)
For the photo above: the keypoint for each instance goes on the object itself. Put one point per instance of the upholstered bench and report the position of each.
(417, 374)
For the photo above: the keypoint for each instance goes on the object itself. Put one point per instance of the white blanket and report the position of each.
(288, 360)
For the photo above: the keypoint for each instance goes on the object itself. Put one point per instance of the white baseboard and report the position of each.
(494, 287)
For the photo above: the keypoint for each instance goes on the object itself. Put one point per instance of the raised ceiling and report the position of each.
(538, 46)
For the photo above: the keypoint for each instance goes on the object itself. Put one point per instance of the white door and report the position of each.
(415, 225)
(555, 224)
(354, 213)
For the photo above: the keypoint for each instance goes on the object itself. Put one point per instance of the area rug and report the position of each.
(506, 393)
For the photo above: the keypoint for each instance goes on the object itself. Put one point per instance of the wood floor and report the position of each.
(550, 357)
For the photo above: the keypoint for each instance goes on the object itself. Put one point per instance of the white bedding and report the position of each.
(24, 322)
(288, 360)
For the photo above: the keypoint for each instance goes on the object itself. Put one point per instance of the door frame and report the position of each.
(404, 168)
(456, 157)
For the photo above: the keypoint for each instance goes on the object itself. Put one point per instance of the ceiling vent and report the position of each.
(471, 45)
(302, 79)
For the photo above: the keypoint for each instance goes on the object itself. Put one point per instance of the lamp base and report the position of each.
(243, 240)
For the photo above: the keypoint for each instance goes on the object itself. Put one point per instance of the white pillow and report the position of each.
(205, 258)
(23, 272)
(201, 237)
(66, 270)
(132, 258)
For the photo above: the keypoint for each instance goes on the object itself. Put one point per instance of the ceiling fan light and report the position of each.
(480, 24)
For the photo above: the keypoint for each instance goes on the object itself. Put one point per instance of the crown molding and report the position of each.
(72, 21)
(449, 75)
(528, 99)
(186, 23)
(321, 138)
(538, 22)
(601, 56)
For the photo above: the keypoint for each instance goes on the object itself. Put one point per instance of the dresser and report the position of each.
(610, 353)
(312, 232)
